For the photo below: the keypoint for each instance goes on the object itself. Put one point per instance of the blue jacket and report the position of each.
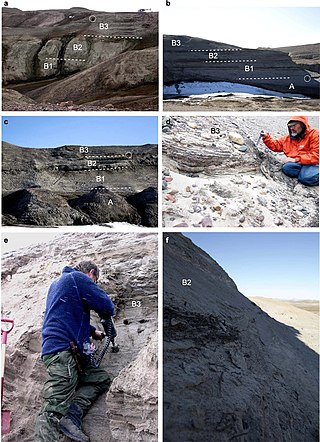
(67, 316)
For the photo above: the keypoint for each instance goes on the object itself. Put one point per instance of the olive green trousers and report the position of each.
(65, 386)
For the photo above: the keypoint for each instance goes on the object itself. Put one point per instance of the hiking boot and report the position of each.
(68, 428)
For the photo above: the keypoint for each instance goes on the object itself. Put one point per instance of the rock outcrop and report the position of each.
(190, 147)
(39, 207)
(58, 186)
(211, 181)
(306, 56)
(82, 57)
(146, 202)
(129, 264)
(103, 206)
(133, 398)
(195, 59)
(230, 371)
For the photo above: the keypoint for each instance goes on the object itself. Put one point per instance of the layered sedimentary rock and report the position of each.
(307, 56)
(82, 57)
(134, 397)
(128, 264)
(195, 59)
(230, 371)
(63, 182)
(190, 147)
(210, 180)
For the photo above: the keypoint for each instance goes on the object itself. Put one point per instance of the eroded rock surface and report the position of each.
(39, 207)
(133, 398)
(146, 202)
(58, 186)
(65, 56)
(230, 371)
(307, 56)
(129, 264)
(97, 205)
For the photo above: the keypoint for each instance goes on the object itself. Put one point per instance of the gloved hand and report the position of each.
(263, 134)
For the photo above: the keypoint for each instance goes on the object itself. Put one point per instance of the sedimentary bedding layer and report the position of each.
(71, 185)
(195, 59)
(231, 372)
(128, 265)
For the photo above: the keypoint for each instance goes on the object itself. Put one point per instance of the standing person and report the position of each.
(301, 147)
(70, 390)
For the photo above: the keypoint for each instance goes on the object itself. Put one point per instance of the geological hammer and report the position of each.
(262, 134)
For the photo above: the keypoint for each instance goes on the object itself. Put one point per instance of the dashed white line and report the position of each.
(117, 37)
(112, 188)
(264, 78)
(105, 168)
(214, 50)
(230, 61)
(101, 169)
(106, 156)
(65, 59)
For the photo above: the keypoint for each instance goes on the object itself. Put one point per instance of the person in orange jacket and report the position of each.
(301, 147)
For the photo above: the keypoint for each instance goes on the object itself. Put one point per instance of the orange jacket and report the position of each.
(304, 150)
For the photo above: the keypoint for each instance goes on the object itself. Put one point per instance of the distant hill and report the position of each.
(307, 56)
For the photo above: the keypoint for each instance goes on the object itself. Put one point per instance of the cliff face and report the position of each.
(58, 186)
(230, 371)
(208, 61)
(82, 57)
(128, 263)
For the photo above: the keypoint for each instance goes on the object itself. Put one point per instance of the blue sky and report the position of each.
(87, 131)
(275, 265)
(250, 27)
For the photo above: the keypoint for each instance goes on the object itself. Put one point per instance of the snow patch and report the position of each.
(210, 89)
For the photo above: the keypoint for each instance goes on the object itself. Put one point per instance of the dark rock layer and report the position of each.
(267, 68)
(230, 371)
(146, 203)
(58, 186)
(103, 206)
(38, 207)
